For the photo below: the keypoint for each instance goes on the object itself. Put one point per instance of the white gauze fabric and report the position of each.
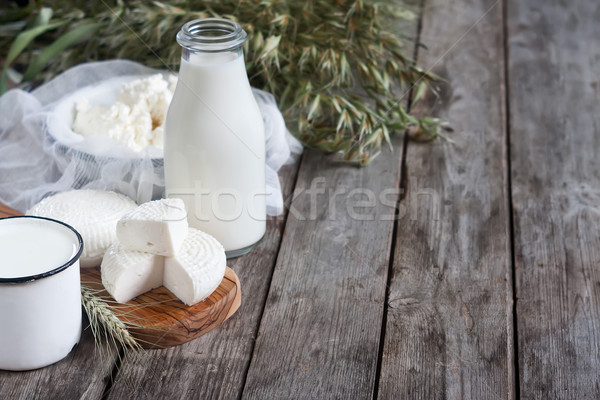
(40, 155)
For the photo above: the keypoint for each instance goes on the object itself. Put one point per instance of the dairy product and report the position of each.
(197, 269)
(40, 319)
(157, 227)
(93, 213)
(192, 274)
(215, 149)
(135, 119)
(127, 274)
(31, 246)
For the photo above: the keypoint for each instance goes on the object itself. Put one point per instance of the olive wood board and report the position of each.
(157, 318)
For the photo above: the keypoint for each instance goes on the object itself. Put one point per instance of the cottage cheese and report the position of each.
(135, 119)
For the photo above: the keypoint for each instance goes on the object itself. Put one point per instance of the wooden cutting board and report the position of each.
(157, 318)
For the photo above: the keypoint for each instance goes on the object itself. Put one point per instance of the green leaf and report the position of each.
(20, 43)
(367, 63)
(43, 18)
(386, 136)
(24, 38)
(3, 83)
(345, 69)
(420, 91)
(271, 44)
(14, 75)
(314, 106)
(60, 44)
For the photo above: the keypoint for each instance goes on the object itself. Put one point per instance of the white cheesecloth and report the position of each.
(40, 155)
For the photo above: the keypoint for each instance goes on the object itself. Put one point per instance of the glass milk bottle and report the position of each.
(214, 137)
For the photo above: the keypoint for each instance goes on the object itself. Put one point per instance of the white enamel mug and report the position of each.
(40, 293)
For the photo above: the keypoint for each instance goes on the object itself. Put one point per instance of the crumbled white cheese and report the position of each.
(135, 119)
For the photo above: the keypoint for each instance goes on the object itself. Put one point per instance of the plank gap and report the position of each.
(555, 162)
(286, 214)
(402, 196)
(511, 233)
(450, 297)
(387, 294)
(114, 373)
(219, 359)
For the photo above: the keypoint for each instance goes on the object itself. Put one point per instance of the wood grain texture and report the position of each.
(83, 374)
(213, 366)
(449, 323)
(554, 73)
(319, 336)
(320, 331)
(158, 319)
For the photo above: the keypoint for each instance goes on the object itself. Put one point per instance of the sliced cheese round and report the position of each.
(93, 213)
(197, 269)
(127, 274)
(157, 227)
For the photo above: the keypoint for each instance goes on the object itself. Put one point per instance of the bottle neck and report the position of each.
(211, 35)
(216, 58)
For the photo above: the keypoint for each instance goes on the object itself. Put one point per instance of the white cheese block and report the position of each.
(93, 213)
(197, 269)
(157, 227)
(127, 274)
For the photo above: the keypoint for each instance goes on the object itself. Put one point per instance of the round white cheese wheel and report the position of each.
(93, 213)
(197, 269)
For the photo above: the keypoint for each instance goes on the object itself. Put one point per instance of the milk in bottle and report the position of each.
(214, 137)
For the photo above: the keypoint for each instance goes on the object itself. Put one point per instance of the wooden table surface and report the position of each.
(466, 270)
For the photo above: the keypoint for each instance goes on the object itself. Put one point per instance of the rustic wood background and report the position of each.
(477, 275)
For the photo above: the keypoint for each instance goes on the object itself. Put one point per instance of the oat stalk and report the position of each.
(104, 322)
(339, 68)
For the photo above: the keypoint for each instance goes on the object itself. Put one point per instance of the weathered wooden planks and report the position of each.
(319, 335)
(449, 322)
(83, 374)
(448, 328)
(554, 67)
(320, 331)
(214, 365)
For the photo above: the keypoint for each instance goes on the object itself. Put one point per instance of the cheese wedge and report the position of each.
(157, 227)
(127, 274)
(197, 269)
(93, 213)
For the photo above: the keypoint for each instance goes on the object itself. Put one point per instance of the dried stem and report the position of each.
(340, 74)
(103, 322)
